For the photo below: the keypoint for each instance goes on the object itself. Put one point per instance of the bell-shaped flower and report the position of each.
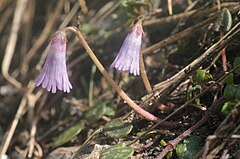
(54, 73)
(128, 56)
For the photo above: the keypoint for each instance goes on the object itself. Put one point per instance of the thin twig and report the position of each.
(19, 114)
(224, 58)
(148, 145)
(33, 117)
(229, 126)
(182, 34)
(182, 106)
(10, 48)
(177, 78)
(177, 36)
(11, 131)
(174, 142)
(192, 14)
(166, 87)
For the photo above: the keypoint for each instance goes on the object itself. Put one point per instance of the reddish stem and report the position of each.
(224, 59)
(173, 143)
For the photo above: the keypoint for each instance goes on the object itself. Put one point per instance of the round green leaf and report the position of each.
(229, 92)
(189, 147)
(95, 112)
(224, 21)
(116, 128)
(68, 134)
(117, 152)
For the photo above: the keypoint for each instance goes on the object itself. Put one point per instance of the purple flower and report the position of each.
(54, 73)
(128, 56)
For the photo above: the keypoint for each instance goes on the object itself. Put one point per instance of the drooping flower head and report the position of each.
(54, 73)
(128, 56)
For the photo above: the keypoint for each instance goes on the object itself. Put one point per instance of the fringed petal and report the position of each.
(128, 56)
(54, 76)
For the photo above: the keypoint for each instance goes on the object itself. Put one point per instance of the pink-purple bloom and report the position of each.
(54, 73)
(128, 56)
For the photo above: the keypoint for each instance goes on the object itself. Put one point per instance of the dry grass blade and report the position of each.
(10, 48)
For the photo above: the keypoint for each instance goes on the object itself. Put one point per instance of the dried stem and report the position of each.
(193, 13)
(182, 106)
(9, 136)
(121, 93)
(10, 48)
(168, 85)
(177, 36)
(173, 143)
(20, 112)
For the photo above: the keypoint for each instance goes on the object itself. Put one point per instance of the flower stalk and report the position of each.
(121, 93)
(130, 57)
(144, 74)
